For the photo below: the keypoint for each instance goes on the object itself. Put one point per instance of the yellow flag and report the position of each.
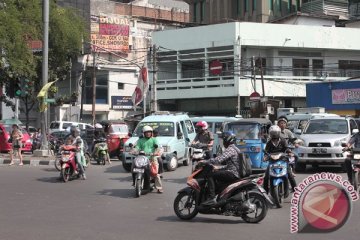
(44, 89)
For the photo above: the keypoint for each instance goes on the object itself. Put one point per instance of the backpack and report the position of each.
(245, 165)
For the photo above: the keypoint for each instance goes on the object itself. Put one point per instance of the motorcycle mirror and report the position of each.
(131, 145)
(343, 144)
(187, 139)
(156, 146)
(130, 134)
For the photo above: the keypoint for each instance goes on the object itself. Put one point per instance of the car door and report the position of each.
(180, 141)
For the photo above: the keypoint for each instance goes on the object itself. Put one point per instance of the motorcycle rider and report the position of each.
(204, 136)
(99, 134)
(149, 145)
(355, 142)
(228, 171)
(77, 141)
(277, 144)
(285, 133)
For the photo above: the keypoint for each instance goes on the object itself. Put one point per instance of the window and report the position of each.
(192, 69)
(260, 64)
(290, 5)
(121, 86)
(254, 5)
(238, 8)
(271, 5)
(102, 78)
(195, 12)
(202, 10)
(246, 5)
(349, 68)
(317, 65)
(189, 127)
(298, 5)
(280, 5)
(301, 67)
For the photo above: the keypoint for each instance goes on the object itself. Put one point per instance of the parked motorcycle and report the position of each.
(279, 184)
(354, 155)
(244, 198)
(102, 151)
(68, 162)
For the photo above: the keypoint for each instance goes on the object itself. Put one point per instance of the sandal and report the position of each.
(160, 191)
(10, 164)
(21, 164)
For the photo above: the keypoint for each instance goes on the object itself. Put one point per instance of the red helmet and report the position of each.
(202, 124)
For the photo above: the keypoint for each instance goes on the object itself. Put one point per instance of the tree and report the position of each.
(20, 23)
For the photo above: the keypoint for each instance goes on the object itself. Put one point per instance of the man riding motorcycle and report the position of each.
(77, 141)
(204, 136)
(228, 171)
(277, 144)
(355, 141)
(149, 145)
(99, 134)
(284, 133)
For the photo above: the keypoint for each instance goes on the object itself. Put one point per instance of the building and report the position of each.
(340, 97)
(220, 11)
(276, 53)
(120, 44)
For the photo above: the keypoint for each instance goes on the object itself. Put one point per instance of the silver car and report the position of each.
(322, 139)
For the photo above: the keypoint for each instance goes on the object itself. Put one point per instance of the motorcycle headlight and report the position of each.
(357, 156)
(140, 161)
(65, 158)
(28, 141)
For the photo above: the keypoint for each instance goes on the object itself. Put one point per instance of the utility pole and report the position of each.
(154, 98)
(253, 72)
(94, 89)
(45, 69)
(262, 77)
(83, 82)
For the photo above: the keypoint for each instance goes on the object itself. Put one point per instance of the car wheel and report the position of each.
(172, 163)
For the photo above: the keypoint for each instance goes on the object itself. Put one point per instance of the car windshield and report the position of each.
(164, 129)
(327, 126)
(54, 125)
(244, 131)
(119, 128)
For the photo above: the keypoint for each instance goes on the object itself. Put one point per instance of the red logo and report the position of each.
(326, 207)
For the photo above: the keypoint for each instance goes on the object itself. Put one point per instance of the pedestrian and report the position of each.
(16, 137)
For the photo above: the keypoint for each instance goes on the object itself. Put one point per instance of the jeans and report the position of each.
(222, 176)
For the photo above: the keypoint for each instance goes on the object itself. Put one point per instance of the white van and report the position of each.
(63, 125)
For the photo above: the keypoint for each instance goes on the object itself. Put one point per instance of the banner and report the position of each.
(121, 102)
(346, 96)
(142, 86)
(110, 33)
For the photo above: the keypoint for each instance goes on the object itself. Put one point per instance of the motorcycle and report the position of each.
(68, 162)
(141, 173)
(278, 177)
(354, 155)
(102, 151)
(243, 198)
(198, 153)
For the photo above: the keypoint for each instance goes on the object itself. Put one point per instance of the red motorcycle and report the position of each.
(68, 163)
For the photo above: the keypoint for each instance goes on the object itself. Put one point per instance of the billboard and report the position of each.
(121, 102)
(110, 32)
(346, 96)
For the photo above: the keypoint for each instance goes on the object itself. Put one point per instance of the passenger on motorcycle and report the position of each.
(99, 134)
(277, 144)
(78, 142)
(284, 133)
(204, 136)
(355, 142)
(228, 171)
(149, 145)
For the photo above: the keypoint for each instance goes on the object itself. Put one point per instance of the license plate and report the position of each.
(319, 150)
(138, 170)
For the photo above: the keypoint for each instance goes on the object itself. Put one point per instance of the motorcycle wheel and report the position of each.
(187, 161)
(259, 201)
(138, 188)
(185, 206)
(57, 164)
(65, 174)
(102, 159)
(126, 166)
(356, 181)
(276, 193)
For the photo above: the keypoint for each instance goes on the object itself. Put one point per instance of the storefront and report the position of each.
(340, 97)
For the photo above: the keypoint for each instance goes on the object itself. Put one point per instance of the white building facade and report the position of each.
(288, 56)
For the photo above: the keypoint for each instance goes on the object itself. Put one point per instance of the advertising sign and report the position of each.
(110, 33)
(346, 96)
(121, 102)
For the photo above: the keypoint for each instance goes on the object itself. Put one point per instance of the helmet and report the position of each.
(147, 129)
(229, 138)
(274, 132)
(282, 118)
(202, 124)
(98, 125)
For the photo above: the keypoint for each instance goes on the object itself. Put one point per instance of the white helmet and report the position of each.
(147, 129)
(274, 132)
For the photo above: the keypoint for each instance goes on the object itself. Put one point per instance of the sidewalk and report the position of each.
(28, 159)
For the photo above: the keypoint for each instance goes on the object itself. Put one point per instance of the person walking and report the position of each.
(16, 137)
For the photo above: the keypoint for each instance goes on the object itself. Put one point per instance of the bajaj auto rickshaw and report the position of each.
(251, 137)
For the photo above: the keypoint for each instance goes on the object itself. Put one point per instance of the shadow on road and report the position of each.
(50, 169)
(175, 180)
(50, 179)
(201, 219)
(121, 193)
(319, 169)
(114, 169)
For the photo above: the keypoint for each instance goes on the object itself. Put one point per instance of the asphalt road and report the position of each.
(37, 206)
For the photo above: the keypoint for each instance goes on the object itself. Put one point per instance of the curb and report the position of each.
(31, 162)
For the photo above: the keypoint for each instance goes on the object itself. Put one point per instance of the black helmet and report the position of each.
(229, 138)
